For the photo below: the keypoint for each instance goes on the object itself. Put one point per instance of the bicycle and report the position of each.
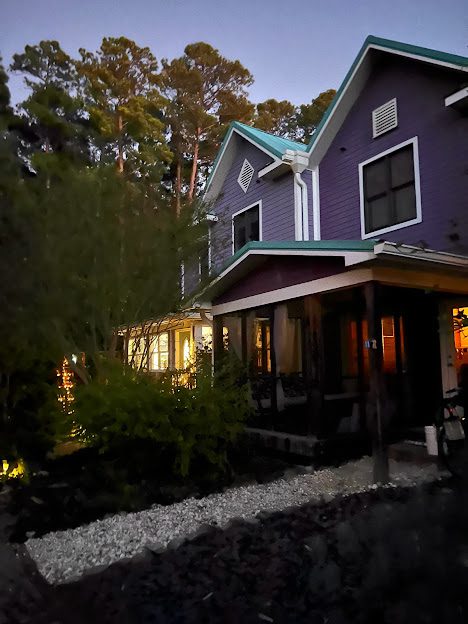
(451, 438)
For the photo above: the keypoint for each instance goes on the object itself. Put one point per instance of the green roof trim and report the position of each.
(397, 46)
(322, 245)
(276, 145)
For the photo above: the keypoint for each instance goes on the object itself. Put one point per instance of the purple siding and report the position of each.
(280, 272)
(277, 204)
(443, 155)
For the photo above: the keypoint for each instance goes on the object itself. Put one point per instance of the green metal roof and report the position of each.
(322, 245)
(397, 46)
(276, 145)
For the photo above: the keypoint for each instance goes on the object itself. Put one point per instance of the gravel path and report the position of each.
(65, 555)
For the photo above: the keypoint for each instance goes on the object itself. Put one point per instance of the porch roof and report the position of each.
(352, 252)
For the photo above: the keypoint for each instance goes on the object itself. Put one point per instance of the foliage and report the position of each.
(124, 105)
(53, 112)
(124, 409)
(206, 91)
(276, 117)
(309, 115)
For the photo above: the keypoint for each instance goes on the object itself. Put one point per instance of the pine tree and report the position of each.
(54, 110)
(310, 115)
(125, 106)
(206, 91)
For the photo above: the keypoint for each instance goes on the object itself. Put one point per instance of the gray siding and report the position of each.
(443, 154)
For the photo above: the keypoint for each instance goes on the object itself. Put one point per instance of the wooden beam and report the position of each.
(313, 345)
(218, 341)
(376, 403)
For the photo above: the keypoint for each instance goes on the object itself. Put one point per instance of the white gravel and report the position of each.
(65, 555)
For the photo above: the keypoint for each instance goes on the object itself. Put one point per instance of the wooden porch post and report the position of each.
(218, 341)
(274, 373)
(313, 344)
(377, 391)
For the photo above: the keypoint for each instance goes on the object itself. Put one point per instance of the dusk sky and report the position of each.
(294, 50)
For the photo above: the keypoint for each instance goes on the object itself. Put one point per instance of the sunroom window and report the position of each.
(159, 352)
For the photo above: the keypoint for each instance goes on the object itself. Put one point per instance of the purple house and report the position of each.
(341, 264)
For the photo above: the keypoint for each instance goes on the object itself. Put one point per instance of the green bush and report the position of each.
(124, 410)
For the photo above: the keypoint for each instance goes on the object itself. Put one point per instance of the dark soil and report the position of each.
(76, 489)
(389, 556)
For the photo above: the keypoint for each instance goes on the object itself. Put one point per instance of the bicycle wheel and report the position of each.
(454, 454)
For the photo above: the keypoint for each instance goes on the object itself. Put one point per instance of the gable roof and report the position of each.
(273, 145)
(355, 79)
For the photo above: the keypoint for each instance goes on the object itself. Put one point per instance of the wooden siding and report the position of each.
(443, 154)
(277, 204)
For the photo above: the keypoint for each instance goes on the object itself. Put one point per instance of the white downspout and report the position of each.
(304, 206)
(298, 212)
(298, 161)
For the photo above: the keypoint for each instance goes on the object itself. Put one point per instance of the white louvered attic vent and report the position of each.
(245, 175)
(384, 118)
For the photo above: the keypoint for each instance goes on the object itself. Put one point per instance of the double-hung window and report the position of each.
(159, 352)
(390, 192)
(246, 226)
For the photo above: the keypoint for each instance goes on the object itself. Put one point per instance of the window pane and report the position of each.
(378, 214)
(375, 178)
(401, 166)
(246, 227)
(405, 204)
(163, 341)
(163, 360)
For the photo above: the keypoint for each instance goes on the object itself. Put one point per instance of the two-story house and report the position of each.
(340, 264)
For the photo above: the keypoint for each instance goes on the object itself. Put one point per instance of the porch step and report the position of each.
(280, 441)
(411, 451)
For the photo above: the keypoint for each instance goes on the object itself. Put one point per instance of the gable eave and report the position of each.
(354, 80)
(218, 173)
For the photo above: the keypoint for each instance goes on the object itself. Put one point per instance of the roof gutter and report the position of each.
(299, 161)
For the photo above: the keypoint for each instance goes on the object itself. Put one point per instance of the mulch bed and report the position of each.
(392, 555)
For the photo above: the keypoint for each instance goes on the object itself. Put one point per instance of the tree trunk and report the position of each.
(193, 176)
(178, 187)
(120, 158)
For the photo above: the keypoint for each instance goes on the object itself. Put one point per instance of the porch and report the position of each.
(358, 350)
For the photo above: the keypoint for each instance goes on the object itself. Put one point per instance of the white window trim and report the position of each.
(417, 189)
(260, 221)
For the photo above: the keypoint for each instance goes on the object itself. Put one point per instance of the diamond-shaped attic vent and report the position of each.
(245, 175)
(384, 118)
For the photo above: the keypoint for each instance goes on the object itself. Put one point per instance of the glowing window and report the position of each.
(136, 352)
(159, 352)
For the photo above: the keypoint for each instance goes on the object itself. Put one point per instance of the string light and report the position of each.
(66, 384)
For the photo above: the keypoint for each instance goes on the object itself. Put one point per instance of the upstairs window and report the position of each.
(390, 192)
(246, 226)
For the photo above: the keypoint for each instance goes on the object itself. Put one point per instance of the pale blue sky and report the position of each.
(294, 50)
